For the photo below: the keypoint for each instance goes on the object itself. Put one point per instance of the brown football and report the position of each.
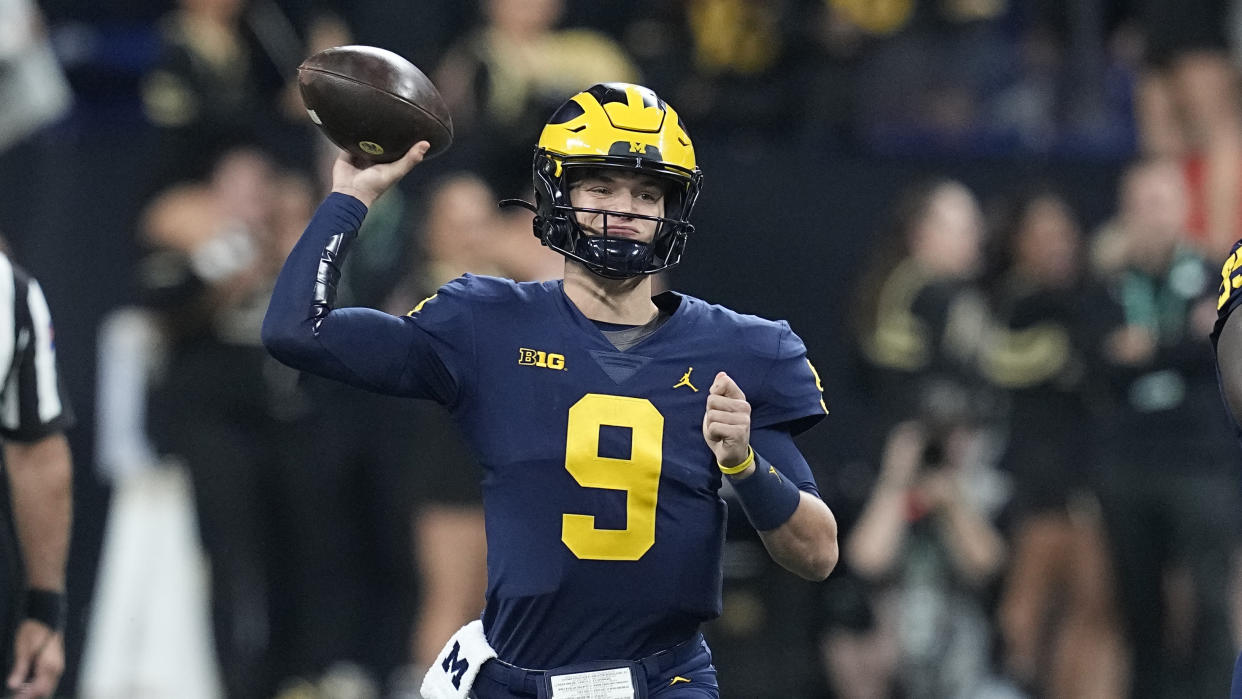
(374, 103)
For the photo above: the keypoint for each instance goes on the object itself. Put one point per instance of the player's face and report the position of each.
(621, 192)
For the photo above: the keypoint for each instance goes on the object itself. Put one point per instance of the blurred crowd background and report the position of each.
(996, 223)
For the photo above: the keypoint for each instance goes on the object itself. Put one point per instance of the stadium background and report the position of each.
(797, 182)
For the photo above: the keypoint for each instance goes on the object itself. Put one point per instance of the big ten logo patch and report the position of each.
(539, 358)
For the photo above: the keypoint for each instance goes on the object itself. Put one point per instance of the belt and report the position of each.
(523, 681)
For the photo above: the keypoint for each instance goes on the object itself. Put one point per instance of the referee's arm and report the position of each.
(41, 482)
(34, 414)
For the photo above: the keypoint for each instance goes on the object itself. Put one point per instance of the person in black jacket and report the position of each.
(1056, 613)
(1169, 474)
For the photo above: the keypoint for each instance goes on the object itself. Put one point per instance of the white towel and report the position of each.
(458, 664)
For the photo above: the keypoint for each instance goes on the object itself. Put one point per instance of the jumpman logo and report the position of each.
(685, 381)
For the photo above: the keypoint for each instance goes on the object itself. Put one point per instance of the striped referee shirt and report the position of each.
(33, 403)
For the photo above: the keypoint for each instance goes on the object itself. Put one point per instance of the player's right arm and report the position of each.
(358, 346)
(367, 181)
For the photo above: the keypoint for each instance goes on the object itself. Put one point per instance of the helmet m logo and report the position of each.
(644, 150)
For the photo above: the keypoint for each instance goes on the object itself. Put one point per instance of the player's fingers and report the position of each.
(718, 420)
(415, 154)
(737, 405)
(720, 432)
(21, 668)
(727, 417)
(412, 157)
(46, 675)
(38, 689)
(724, 385)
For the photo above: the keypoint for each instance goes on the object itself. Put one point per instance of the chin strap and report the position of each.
(536, 223)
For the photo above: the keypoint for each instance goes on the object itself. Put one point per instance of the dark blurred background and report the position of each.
(811, 120)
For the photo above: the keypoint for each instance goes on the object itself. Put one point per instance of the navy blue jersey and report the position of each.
(604, 523)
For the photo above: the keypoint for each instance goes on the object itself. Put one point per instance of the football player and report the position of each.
(1227, 339)
(606, 420)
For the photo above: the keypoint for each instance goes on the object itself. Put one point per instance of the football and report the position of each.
(373, 103)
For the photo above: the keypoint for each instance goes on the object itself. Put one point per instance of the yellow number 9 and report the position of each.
(638, 476)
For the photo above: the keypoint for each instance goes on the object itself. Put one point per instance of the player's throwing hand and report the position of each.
(366, 181)
(726, 423)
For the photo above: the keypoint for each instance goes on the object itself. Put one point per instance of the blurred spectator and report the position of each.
(149, 632)
(1189, 110)
(202, 95)
(927, 538)
(506, 77)
(221, 407)
(1169, 472)
(920, 316)
(739, 81)
(1056, 611)
(223, 80)
(33, 90)
(930, 544)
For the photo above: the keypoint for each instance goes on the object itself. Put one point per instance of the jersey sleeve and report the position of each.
(1230, 289)
(34, 403)
(439, 336)
(791, 393)
(421, 355)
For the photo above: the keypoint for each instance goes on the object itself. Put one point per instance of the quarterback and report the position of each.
(606, 420)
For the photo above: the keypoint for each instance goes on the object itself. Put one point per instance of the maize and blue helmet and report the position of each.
(623, 126)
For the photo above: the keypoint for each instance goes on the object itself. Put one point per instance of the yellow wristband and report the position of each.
(732, 470)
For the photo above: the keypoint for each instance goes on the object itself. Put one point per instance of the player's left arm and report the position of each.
(796, 526)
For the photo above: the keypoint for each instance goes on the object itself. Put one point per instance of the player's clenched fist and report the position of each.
(726, 423)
